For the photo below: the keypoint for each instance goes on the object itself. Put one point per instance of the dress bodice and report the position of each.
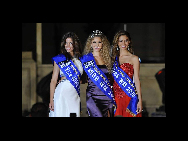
(98, 104)
(128, 69)
(92, 88)
(78, 65)
(122, 99)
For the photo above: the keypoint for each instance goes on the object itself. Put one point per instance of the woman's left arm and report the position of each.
(136, 66)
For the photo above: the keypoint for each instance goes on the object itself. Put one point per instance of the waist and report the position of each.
(93, 90)
(63, 79)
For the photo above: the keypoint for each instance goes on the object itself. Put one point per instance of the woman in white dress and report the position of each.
(65, 99)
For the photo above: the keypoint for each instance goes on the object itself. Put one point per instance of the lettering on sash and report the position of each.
(126, 84)
(102, 83)
(93, 71)
(116, 74)
(88, 64)
(123, 80)
(97, 76)
(67, 70)
(73, 75)
(75, 80)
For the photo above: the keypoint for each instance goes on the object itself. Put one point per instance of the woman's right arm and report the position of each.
(53, 83)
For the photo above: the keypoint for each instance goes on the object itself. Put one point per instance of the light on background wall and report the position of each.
(125, 27)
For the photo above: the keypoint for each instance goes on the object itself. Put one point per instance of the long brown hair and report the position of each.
(115, 48)
(76, 45)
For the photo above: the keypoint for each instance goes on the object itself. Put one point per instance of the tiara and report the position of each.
(95, 33)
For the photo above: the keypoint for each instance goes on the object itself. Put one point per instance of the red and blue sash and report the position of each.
(127, 85)
(97, 76)
(70, 71)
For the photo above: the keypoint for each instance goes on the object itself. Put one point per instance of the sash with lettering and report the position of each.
(97, 76)
(127, 85)
(70, 71)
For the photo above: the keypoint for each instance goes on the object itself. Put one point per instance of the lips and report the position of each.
(123, 46)
(68, 48)
(97, 47)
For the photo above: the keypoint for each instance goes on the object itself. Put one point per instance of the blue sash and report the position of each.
(97, 76)
(127, 85)
(70, 71)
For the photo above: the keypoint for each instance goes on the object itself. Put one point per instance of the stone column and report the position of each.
(39, 43)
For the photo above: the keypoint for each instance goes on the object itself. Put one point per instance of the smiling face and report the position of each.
(123, 42)
(96, 44)
(69, 45)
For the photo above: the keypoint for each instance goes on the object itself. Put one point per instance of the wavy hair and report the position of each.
(76, 45)
(115, 51)
(105, 50)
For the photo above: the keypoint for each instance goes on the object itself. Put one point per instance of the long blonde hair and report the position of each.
(105, 50)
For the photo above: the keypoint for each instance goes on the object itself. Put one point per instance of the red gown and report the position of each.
(121, 98)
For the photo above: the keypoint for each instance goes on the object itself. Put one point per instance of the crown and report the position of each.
(95, 33)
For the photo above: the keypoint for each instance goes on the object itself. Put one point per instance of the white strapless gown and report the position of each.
(66, 98)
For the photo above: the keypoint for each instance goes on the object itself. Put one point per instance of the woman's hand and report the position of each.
(51, 105)
(139, 107)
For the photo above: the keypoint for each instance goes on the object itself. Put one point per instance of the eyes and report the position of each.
(68, 43)
(96, 42)
(125, 40)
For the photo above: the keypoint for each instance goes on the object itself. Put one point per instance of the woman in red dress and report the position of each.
(129, 63)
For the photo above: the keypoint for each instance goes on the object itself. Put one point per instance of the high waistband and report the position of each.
(63, 80)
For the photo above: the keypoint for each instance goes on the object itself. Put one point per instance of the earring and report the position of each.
(128, 48)
(91, 49)
(117, 48)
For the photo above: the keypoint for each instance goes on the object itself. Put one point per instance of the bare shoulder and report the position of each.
(135, 59)
(56, 68)
(136, 63)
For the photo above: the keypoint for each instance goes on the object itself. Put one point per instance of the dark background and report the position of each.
(148, 38)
